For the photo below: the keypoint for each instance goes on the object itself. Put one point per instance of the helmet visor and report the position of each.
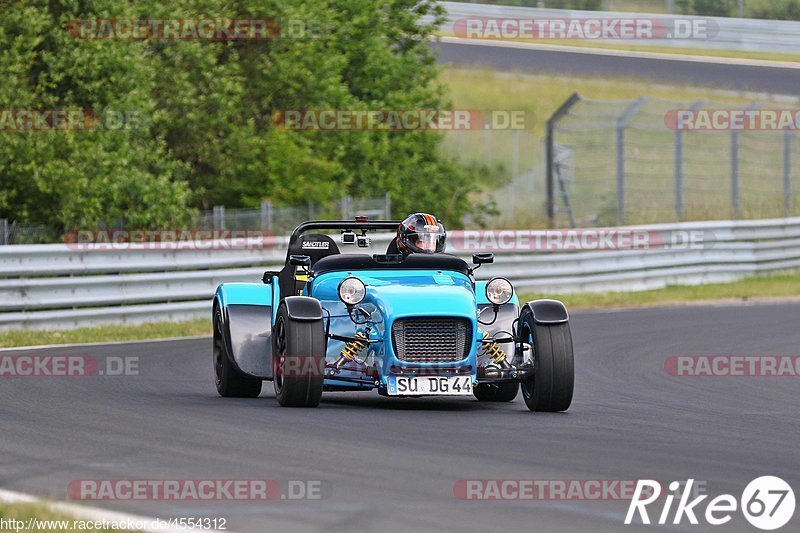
(430, 242)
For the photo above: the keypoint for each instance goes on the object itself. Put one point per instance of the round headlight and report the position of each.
(499, 291)
(352, 291)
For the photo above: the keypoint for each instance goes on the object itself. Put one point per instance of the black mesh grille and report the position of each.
(432, 339)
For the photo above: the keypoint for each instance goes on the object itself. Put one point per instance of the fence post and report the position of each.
(679, 164)
(622, 123)
(550, 148)
(787, 171)
(3, 231)
(735, 197)
(735, 174)
(219, 217)
(514, 155)
(346, 207)
(266, 216)
(679, 173)
(487, 146)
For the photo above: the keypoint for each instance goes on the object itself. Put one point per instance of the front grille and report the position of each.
(432, 339)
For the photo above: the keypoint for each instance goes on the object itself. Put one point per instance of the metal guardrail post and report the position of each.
(551, 154)
(622, 123)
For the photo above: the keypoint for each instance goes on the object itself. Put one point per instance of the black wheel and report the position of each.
(550, 389)
(500, 392)
(230, 381)
(298, 357)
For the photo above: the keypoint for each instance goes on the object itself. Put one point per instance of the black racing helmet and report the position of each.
(421, 233)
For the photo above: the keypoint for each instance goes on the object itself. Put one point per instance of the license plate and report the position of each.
(438, 385)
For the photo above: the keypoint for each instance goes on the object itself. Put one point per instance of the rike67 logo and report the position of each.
(767, 503)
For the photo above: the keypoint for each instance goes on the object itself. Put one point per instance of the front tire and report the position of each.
(551, 387)
(230, 381)
(500, 392)
(298, 356)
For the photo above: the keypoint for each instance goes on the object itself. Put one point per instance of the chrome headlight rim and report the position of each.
(506, 284)
(353, 297)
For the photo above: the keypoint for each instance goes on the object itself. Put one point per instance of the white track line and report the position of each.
(625, 53)
(94, 514)
(110, 343)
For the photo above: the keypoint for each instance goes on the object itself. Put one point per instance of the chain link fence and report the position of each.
(282, 220)
(620, 162)
(513, 175)
(271, 219)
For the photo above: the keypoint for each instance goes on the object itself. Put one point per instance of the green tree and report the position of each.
(205, 133)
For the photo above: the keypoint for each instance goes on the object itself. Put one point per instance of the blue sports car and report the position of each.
(408, 326)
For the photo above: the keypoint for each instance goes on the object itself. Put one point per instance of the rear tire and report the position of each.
(298, 356)
(500, 392)
(230, 381)
(551, 387)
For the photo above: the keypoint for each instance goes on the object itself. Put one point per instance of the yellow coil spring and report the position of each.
(493, 350)
(351, 349)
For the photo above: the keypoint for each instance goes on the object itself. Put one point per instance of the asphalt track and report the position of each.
(390, 465)
(728, 76)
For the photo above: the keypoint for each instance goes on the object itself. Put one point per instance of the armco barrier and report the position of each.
(734, 33)
(64, 286)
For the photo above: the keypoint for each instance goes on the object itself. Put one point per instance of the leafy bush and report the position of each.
(205, 133)
(773, 9)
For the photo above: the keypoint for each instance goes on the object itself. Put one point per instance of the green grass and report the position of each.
(43, 514)
(162, 330)
(779, 286)
(541, 95)
(649, 149)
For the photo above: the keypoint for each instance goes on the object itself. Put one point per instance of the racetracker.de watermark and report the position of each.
(195, 29)
(733, 366)
(544, 489)
(586, 28)
(59, 366)
(401, 119)
(197, 489)
(170, 239)
(58, 120)
(572, 240)
(732, 119)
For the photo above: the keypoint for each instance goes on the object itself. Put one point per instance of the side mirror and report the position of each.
(482, 258)
(267, 277)
(300, 260)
